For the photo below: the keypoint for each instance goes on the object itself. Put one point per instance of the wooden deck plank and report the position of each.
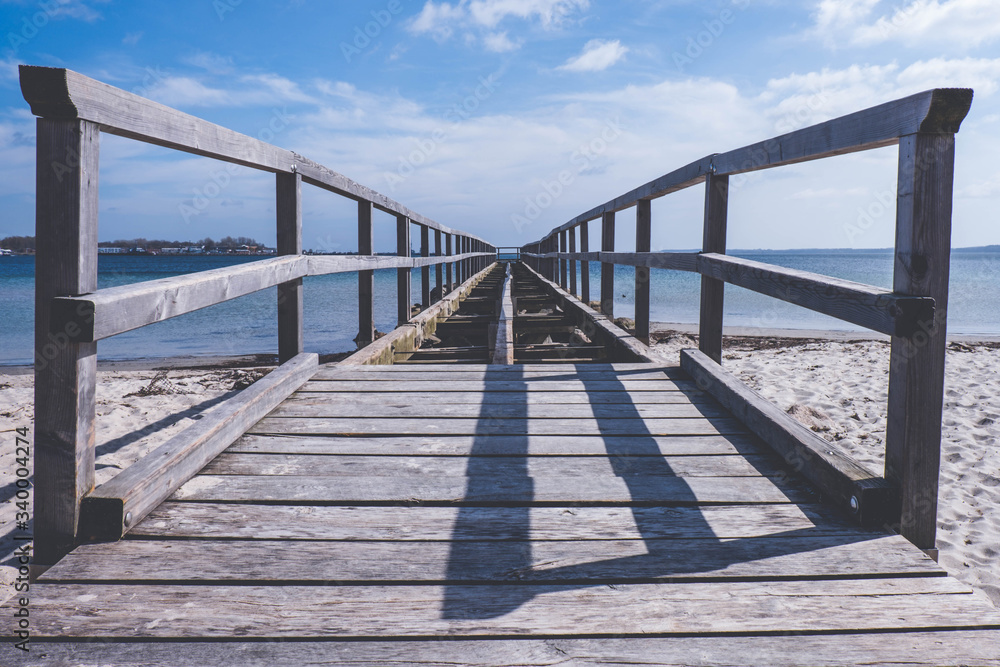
(453, 385)
(915, 649)
(393, 408)
(250, 522)
(468, 372)
(461, 466)
(499, 445)
(511, 427)
(539, 561)
(516, 490)
(534, 398)
(80, 610)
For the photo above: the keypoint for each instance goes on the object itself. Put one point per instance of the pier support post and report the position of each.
(67, 153)
(608, 269)
(643, 232)
(712, 289)
(425, 271)
(448, 277)
(585, 264)
(563, 262)
(439, 268)
(288, 205)
(403, 275)
(916, 364)
(366, 279)
(572, 262)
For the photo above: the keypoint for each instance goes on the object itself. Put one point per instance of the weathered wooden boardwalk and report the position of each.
(579, 504)
(572, 502)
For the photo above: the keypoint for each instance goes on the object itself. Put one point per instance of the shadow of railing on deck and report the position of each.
(638, 460)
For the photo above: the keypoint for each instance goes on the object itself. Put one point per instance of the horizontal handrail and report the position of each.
(938, 111)
(114, 310)
(58, 93)
(868, 306)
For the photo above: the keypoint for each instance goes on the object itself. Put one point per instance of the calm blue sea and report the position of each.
(248, 325)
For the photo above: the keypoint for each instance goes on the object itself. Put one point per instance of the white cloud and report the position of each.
(258, 89)
(962, 24)
(499, 42)
(597, 55)
(482, 17)
(132, 38)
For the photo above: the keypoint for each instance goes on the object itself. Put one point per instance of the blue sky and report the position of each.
(468, 111)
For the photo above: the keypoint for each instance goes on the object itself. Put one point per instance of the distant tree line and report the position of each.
(18, 243)
(225, 243)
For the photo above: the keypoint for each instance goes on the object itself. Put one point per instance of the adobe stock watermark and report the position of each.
(30, 26)
(884, 202)
(581, 159)
(363, 35)
(222, 178)
(454, 116)
(704, 39)
(223, 7)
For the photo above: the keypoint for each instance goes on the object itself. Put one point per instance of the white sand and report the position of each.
(129, 425)
(838, 388)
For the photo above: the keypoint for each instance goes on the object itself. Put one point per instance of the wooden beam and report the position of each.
(871, 307)
(288, 205)
(403, 275)
(503, 349)
(65, 95)
(439, 268)
(608, 269)
(366, 279)
(845, 482)
(66, 206)
(916, 363)
(449, 267)
(572, 262)
(712, 289)
(585, 264)
(120, 503)
(425, 271)
(563, 262)
(643, 240)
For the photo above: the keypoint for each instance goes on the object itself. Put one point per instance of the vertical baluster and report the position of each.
(366, 279)
(585, 264)
(916, 366)
(572, 262)
(643, 229)
(713, 290)
(403, 275)
(288, 205)
(425, 271)
(607, 268)
(66, 204)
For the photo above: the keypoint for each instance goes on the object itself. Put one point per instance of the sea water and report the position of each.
(248, 325)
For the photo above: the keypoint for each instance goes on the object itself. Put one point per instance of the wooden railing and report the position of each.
(913, 313)
(71, 314)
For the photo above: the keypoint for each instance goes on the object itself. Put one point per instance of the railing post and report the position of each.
(643, 243)
(608, 269)
(712, 290)
(450, 265)
(572, 262)
(563, 263)
(66, 171)
(288, 205)
(425, 271)
(403, 275)
(439, 268)
(916, 365)
(585, 264)
(366, 279)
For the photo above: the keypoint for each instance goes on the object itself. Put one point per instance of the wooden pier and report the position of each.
(507, 477)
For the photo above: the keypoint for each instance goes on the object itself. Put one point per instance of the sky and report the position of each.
(468, 111)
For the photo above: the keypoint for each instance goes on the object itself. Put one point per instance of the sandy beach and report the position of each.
(832, 382)
(836, 384)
